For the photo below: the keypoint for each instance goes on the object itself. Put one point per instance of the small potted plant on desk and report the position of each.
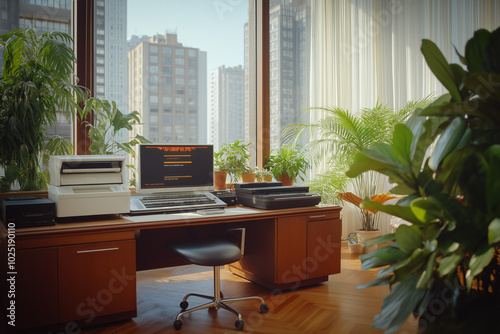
(287, 164)
(263, 175)
(220, 170)
(234, 159)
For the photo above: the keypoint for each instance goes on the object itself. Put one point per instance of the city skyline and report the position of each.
(223, 40)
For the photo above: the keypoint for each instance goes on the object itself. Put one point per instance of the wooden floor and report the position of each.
(336, 306)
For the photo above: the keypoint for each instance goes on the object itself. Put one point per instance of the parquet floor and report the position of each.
(336, 306)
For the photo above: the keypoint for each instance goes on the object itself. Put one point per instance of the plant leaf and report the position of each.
(449, 263)
(494, 231)
(450, 137)
(478, 261)
(440, 67)
(408, 238)
(399, 304)
(475, 48)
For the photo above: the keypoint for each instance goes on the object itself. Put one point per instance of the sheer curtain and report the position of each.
(364, 51)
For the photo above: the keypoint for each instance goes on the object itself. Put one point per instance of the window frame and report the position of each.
(83, 20)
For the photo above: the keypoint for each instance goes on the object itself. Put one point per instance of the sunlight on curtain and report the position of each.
(364, 51)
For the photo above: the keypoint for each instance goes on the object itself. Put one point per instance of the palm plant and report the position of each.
(339, 136)
(36, 84)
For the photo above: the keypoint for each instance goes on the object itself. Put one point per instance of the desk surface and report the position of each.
(124, 223)
(33, 236)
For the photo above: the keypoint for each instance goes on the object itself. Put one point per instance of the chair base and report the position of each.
(217, 302)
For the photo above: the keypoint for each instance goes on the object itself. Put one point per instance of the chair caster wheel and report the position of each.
(239, 325)
(177, 324)
(264, 308)
(184, 305)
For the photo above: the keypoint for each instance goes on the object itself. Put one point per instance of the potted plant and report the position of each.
(287, 164)
(369, 227)
(36, 84)
(220, 170)
(263, 175)
(235, 156)
(445, 267)
(248, 175)
(109, 121)
(338, 136)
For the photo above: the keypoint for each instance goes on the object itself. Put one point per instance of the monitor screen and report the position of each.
(174, 168)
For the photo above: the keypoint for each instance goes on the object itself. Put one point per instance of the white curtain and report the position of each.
(364, 51)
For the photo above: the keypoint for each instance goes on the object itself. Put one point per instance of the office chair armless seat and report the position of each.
(214, 253)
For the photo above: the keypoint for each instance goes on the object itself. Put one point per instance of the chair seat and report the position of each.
(207, 252)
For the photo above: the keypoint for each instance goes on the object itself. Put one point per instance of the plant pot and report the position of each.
(220, 180)
(286, 179)
(263, 178)
(247, 177)
(367, 236)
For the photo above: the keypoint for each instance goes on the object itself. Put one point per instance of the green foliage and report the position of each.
(109, 121)
(451, 197)
(37, 82)
(287, 161)
(233, 158)
(339, 136)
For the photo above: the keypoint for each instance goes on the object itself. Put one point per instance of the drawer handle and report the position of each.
(320, 216)
(97, 250)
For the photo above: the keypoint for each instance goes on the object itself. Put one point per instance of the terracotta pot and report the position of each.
(286, 180)
(248, 177)
(268, 178)
(220, 180)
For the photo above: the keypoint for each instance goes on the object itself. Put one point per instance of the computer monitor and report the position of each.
(174, 168)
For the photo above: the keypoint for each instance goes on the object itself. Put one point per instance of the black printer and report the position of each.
(273, 195)
(27, 211)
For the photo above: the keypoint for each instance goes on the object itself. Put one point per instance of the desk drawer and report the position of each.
(96, 279)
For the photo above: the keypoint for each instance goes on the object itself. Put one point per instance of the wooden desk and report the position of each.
(82, 272)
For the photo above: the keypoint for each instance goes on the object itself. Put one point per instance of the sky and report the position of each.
(214, 26)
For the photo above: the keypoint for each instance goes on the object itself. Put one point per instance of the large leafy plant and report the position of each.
(37, 82)
(446, 161)
(109, 122)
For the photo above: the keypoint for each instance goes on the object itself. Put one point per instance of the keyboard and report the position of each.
(174, 202)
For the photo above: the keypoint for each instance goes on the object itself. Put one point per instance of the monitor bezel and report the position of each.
(189, 189)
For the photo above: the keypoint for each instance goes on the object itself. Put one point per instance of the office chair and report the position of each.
(214, 253)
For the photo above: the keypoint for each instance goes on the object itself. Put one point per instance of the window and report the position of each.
(166, 70)
(179, 61)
